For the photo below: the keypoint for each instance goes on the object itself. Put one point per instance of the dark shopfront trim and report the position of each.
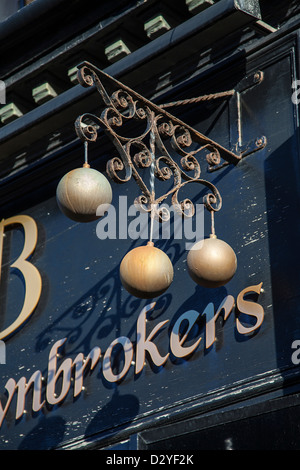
(214, 23)
(241, 401)
(259, 396)
(64, 109)
(262, 397)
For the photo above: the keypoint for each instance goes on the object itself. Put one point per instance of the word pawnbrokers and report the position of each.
(72, 371)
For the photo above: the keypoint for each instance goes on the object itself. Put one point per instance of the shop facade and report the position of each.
(88, 365)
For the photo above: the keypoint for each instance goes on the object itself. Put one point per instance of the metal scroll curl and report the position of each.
(131, 121)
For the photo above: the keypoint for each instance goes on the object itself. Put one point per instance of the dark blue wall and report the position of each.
(82, 298)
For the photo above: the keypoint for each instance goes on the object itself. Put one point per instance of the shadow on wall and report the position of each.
(122, 409)
(47, 434)
(283, 208)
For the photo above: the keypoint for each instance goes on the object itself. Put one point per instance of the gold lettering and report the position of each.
(176, 342)
(23, 387)
(128, 354)
(80, 366)
(10, 387)
(32, 277)
(65, 370)
(145, 344)
(249, 308)
(227, 305)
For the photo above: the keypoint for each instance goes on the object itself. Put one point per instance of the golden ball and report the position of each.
(81, 191)
(146, 271)
(211, 262)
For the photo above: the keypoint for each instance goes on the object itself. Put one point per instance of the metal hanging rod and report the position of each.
(164, 143)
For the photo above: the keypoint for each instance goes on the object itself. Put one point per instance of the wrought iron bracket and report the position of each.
(237, 143)
(146, 135)
(237, 146)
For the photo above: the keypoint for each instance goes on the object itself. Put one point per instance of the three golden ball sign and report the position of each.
(81, 191)
(211, 262)
(146, 271)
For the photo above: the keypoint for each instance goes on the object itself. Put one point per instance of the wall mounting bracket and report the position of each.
(147, 136)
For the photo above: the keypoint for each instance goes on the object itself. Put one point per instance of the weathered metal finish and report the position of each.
(212, 262)
(198, 99)
(230, 379)
(81, 191)
(171, 136)
(146, 271)
(173, 140)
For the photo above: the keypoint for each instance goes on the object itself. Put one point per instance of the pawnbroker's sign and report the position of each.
(68, 375)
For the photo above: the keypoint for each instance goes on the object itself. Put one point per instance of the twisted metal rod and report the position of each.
(86, 163)
(212, 96)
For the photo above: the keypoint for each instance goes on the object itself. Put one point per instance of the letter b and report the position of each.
(32, 277)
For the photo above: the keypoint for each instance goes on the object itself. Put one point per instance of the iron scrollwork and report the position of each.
(173, 152)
